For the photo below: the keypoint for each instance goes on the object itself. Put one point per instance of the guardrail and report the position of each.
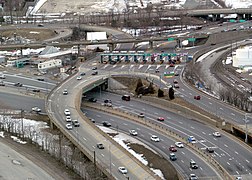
(165, 131)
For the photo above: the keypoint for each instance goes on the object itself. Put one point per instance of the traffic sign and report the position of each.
(171, 39)
(148, 54)
(232, 20)
(192, 39)
(242, 20)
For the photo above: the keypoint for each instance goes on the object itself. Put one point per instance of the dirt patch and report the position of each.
(155, 161)
(32, 34)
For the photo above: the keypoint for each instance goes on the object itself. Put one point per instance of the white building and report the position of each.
(243, 57)
(95, 37)
(49, 64)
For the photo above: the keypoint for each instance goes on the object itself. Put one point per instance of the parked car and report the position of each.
(18, 84)
(210, 150)
(100, 146)
(193, 177)
(36, 90)
(155, 138)
(79, 78)
(82, 74)
(68, 119)
(197, 97)
(193, 165)
(179, 144)
(122, 170)
(94, 68)
(133, 132)
(2, 83)
(76, 123)
(173, 157)
(176, 86)
(67, 112)
(106, 124)
(65, 92)
(173, 148)
(126, 97)
(2, 76)
(69, 126)
(216, 134)
(92, 99)
(36, 109)
(94, 73)
(160, 119)
(41, 79)
(175, 81)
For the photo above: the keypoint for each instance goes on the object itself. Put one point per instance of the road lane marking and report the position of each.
(236, 152)
(203, 132)
(182, 161)
(210, 103)
(182, 89)
(102, 155)
(125, 124)
(111, 119)
(192, 127)
(138, 129)
(225, 145)
(143, 109)
(201, 169)
(113, 164)
(247, 161)
(190, 93)
(228, 163)
(221, 108)
(237, 172)
(180, 122)
(182, 152)
(98, 115)
(232, 114)
(85, 139)
(156, 113)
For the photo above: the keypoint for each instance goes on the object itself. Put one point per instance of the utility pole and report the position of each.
(22, 122)
(246, 126)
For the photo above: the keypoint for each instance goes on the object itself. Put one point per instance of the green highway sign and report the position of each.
(232, 20)
(173, 54)
(171, 39)
(242, 20)
(192, 39)
(148, 54)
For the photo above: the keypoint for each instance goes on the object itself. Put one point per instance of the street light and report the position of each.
(246, 126)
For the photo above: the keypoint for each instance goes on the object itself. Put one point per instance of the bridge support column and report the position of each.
(111, 47)
(151, 44)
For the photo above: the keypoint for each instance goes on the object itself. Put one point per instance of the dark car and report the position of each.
(100, 146)
(41, 79)
(107, 101)
(92, 100)
(210, 150)
(197, 97)
(106, 124)
(94, 68)
(126, 97)
(36, 90)
(94, 73)
(82, 74)
(92, 120)
(2, 83)
(76, 123)
(18, 84)
(173, 148)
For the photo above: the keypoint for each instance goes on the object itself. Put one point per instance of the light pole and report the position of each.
(246, 126)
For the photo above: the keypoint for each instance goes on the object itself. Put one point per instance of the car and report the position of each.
(157, 71)
(107, 101)
(106, 124)
(176, 86)
(126, 97)
(193, 177)
(193, 164)
(92, 120)
(107, 104)
(173, 157)
(191, 139)
(216, 134)
(141, 115)
(68, 119)
(69, 126)
(99, 146)
(94, 68)
(2, 76)
(79, 78)
(179, 144)
(2, 83)
(122, 170)
(40, 25)
(67, 112)
(94, 73)
(36, 90)
(41, 79)
(176, 74)
(36, 109)
(18, 84)
(197, 97)
(65, 92)
(171, 65)
(210, 150)
(175, 81)
(155, 138)
(92, 99)
(133, 132)
(76, 123)
(160, 119)
(238, 178)
(82, 74)
(172, 148)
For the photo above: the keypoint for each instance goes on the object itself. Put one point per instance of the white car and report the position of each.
(133, 132)
(36, 109)
(179, 144)
(69, 126)
(216, 134)
(155, 138)
(193, 177)
(67, 112)
(79, 78)
(192, 139)
(122, 170)
(65, 92)
(68, 119)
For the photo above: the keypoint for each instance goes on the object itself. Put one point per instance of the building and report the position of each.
(49, 64)
(243, 57)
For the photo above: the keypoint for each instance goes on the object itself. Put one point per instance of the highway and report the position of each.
(85, 135)
(235, 158)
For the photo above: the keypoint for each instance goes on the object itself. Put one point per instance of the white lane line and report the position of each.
(232, 114)
(182, 89)
(221, 108)
(201, 169)
(228, 163)
(182, 161)
(236, 152)
(102, 155)
(190, 93)
(225, 145)
(182, 152)
(237, 172)
(203, 133)
(180, 122)
(210, 103)
(85, 139)
(111, 119)
(93, 147)
(138, 129)
(163, 147)
(143, 109)
(113, 164)
(156, 113)
(192, 127)
(125, 124)
(247, 161)
(98, 115)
